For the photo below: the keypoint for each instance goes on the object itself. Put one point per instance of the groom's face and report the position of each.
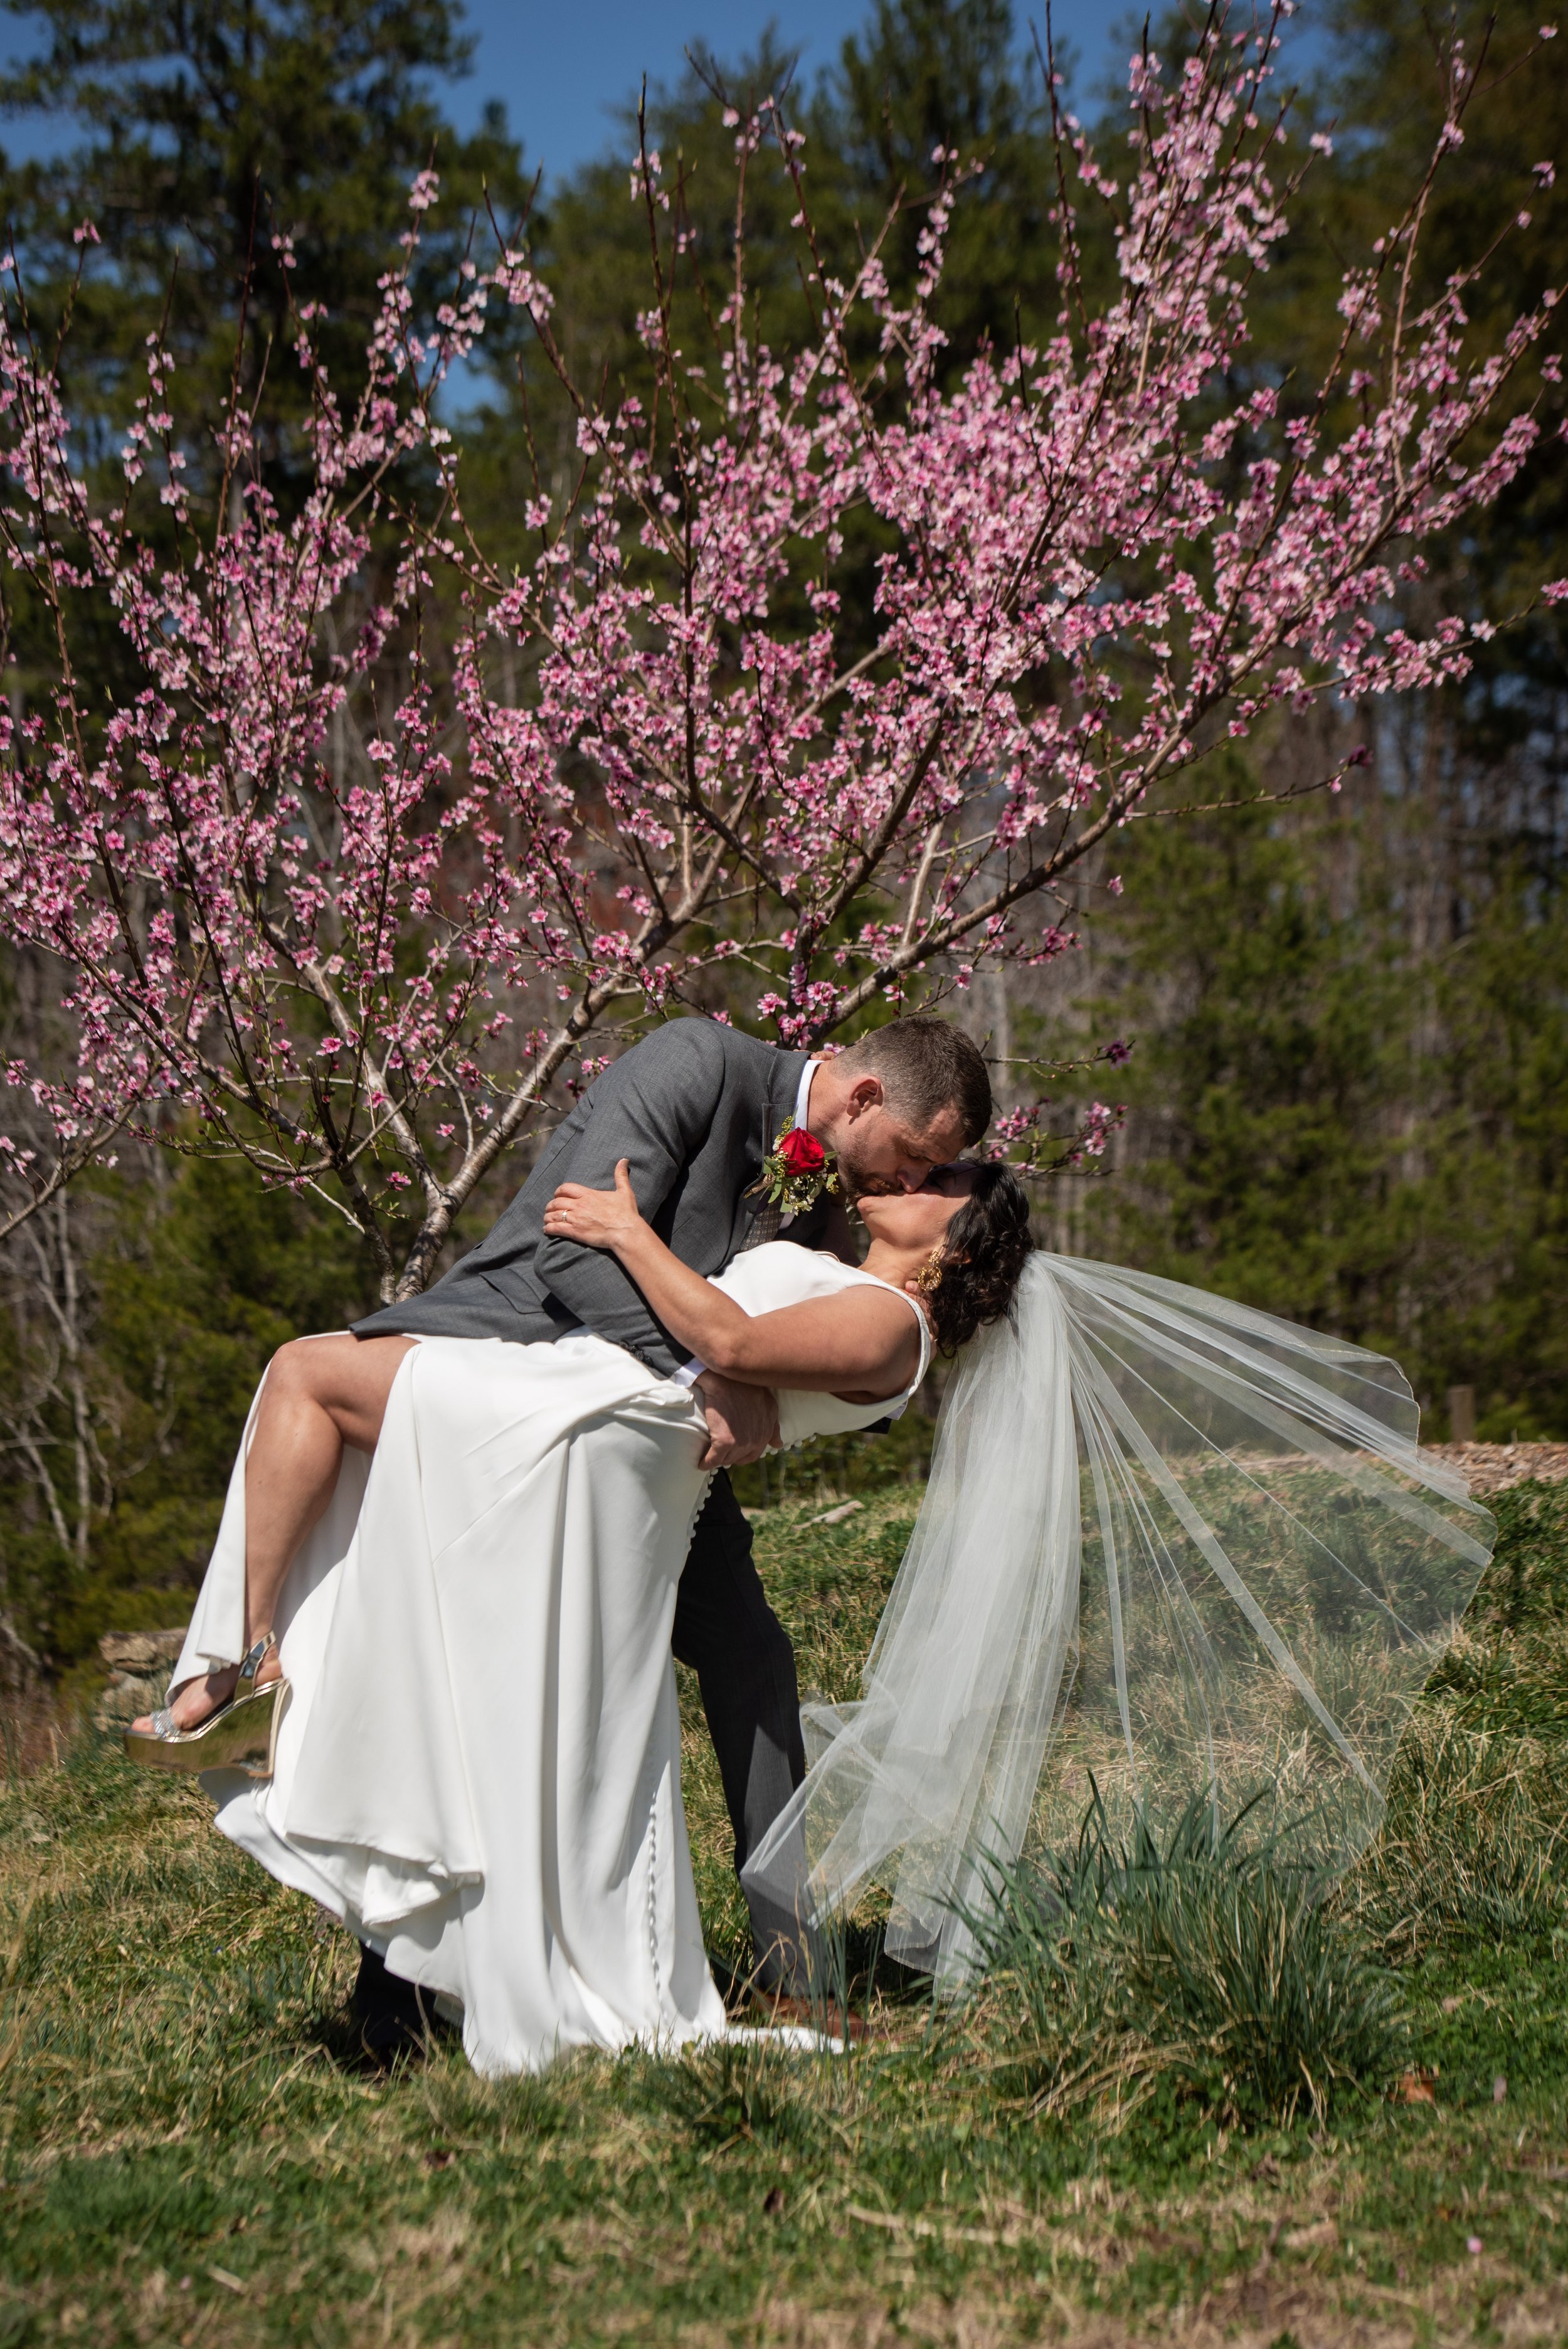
(878, 1152)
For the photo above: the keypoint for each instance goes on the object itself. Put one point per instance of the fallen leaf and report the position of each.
(773, 2201)
(1415, 2088)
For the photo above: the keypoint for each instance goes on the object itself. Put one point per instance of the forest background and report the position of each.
(1347, 1097)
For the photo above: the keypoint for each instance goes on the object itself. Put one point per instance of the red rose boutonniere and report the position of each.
(796, 1172)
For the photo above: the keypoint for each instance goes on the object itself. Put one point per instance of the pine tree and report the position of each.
(210, 130)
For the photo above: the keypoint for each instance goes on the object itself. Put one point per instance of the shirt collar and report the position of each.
(803, 1095)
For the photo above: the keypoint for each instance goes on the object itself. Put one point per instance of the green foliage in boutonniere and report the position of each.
(796, 1172)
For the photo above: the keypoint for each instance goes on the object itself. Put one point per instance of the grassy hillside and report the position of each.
(189, 2153)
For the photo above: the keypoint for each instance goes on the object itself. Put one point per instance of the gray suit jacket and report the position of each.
(695, 1107)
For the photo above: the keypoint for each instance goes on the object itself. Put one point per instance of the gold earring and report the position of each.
(928, 1278)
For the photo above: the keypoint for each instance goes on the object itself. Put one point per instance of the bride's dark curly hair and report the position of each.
(973, 1280)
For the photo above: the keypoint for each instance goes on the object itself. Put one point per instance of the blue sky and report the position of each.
(563, 66)
(562, 69)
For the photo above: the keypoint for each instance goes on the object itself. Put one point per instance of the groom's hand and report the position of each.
(742, 1421)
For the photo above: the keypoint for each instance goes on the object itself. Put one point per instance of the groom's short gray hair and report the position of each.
(926, 1067)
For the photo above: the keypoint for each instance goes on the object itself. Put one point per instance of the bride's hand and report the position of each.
(601, 1219)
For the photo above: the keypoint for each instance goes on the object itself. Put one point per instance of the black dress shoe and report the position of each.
(394, 2017)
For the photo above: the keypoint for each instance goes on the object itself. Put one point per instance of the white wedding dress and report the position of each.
(479, 1770)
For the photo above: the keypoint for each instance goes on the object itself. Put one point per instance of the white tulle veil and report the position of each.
(1168, 1544)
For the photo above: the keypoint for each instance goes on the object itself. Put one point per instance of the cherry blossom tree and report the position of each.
(326, 889)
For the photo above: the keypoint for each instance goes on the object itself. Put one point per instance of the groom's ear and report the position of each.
(866, 1093)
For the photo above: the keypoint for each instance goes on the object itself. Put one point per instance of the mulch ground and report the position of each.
(1494, 1468)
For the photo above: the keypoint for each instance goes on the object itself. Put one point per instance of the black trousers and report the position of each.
(727, 1633)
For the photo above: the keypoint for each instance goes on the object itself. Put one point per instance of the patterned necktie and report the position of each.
(765, 1225)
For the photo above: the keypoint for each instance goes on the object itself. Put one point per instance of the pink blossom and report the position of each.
(352, 884)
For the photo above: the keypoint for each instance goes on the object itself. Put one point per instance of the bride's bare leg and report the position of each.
(321, 1393)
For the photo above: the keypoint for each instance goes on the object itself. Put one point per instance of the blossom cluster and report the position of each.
(325, 890)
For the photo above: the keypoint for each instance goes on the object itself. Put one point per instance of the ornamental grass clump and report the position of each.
(1207, 1960)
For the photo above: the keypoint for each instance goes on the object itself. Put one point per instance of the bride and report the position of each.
(458, 1687)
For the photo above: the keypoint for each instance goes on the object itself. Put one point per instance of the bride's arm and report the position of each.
(863, 1340)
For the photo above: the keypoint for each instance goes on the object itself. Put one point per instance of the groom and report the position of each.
(696, 1108)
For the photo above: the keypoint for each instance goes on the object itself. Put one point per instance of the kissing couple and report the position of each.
(1168, 1544)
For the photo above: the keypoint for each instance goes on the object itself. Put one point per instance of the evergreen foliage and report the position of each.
(171, 1292)
(211, 131)
(1331, 1126)
(1351, 1022)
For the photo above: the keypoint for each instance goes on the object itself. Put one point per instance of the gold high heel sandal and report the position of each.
(242, 1735)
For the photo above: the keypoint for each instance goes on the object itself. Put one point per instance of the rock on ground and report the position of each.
(143, 1662)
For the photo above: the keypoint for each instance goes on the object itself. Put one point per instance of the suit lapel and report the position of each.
(778, 1102)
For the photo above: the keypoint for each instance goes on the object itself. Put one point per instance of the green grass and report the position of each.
(189, 2153)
